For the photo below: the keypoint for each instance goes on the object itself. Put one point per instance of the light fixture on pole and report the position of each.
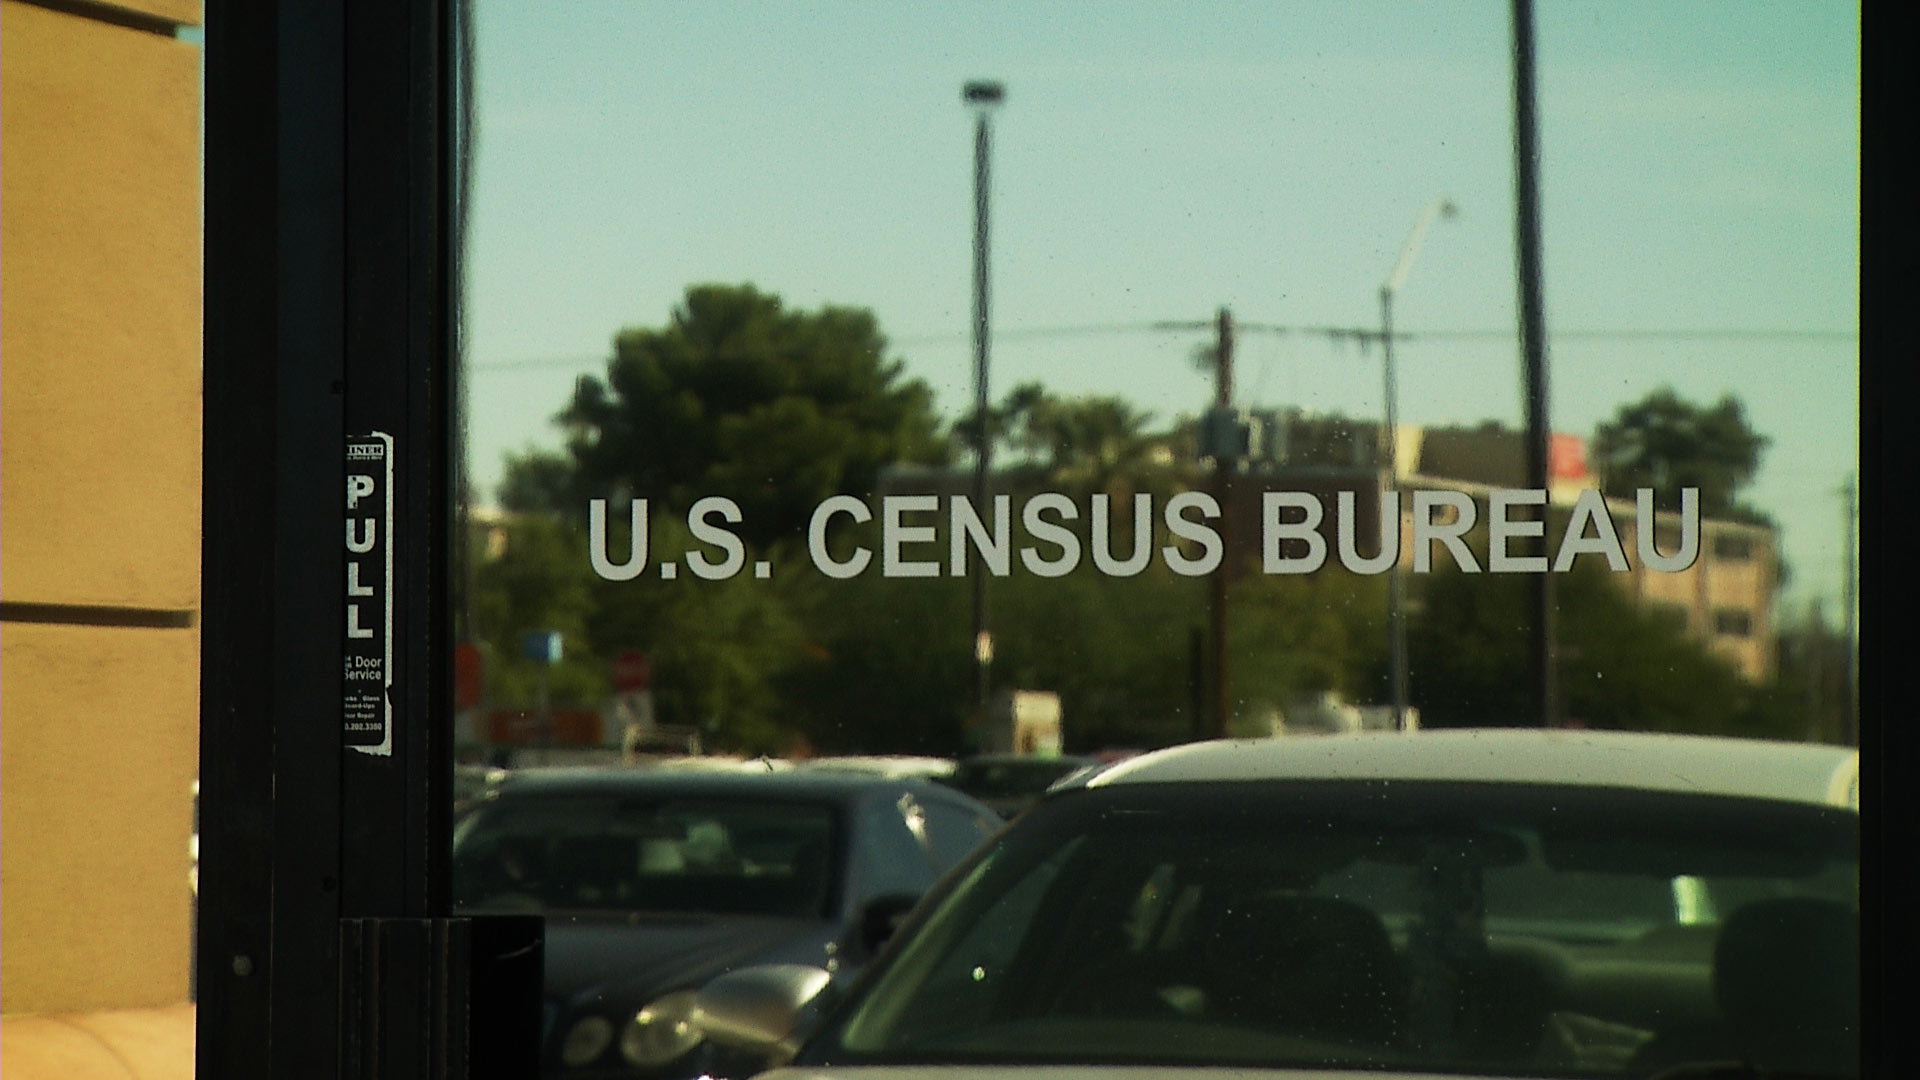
(1396, 584)
(982, 97)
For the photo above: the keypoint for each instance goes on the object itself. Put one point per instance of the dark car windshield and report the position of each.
(598, 851)
(1503, 929)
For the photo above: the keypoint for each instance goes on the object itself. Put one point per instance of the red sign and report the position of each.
(1567, 457)
(631, 671)
(466, 675)
(558, 727)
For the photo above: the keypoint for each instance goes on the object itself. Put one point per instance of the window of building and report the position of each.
(1672, 614)
(1733, 548)
(1733, 622)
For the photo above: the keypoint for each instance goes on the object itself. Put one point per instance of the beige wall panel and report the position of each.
(137, 1044)
(183, 12)
(98, 750)
(99, 314)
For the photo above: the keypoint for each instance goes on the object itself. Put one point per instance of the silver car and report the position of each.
(1483, 903)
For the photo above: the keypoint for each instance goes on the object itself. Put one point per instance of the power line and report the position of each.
(1336, 333)
(1370, 334)
(1651, 335)
(540, 363)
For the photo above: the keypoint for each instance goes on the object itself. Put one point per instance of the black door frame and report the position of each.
(325, 943)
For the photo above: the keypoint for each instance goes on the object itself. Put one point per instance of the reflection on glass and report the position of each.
(596, 852)
(1485, 929)
(720, 284)
(725, 435)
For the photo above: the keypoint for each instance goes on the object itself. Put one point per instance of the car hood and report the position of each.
(623, 959)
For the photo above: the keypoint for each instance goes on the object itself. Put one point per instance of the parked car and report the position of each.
(1481, 903)
(897, 766)
(654, 881)
(470, 782)
(1010, 783)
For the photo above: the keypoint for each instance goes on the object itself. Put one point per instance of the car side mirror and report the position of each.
(881, 917)
(759, 1009)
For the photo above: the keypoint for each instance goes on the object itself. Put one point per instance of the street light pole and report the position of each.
(982, 97)
(1396, 582)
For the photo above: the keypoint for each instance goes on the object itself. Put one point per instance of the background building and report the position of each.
(1726, 598)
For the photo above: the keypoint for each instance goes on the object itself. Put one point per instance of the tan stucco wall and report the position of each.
(99, 761)
(131, 1044)
(178, 12)
(100, 311)
(99, 511)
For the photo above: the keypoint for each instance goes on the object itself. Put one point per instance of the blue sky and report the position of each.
(1156, 161)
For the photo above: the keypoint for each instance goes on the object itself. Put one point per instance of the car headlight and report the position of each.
(661, 1032)
(585, 1040)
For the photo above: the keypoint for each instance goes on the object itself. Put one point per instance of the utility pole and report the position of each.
(1849, 704)
(1224, 461)
(1390, 444)
(1533, 338)
(1396, 582)
(1810, 649)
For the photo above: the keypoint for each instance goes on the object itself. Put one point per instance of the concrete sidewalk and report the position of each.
(130, 1044)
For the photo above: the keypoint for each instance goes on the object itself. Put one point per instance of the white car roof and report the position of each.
(1810, 773)
(1085, 1073)
(891, 765)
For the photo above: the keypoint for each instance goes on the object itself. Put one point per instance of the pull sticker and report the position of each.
(367, 700)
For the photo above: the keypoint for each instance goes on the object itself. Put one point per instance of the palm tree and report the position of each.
(1098, 445)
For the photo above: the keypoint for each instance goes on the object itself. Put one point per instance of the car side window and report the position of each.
(972, 974)
(955, 832)
(894, 856)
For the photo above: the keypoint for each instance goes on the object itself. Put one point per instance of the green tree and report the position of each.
(541, 481)
(889, 661)
(1116, 650)
(1086, 445)
(1324, 631)
(740, 397)
(1666, 443)
(1811, 675)
(537, 580)
(886, 668)
(719, 649)
(1620, 666)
